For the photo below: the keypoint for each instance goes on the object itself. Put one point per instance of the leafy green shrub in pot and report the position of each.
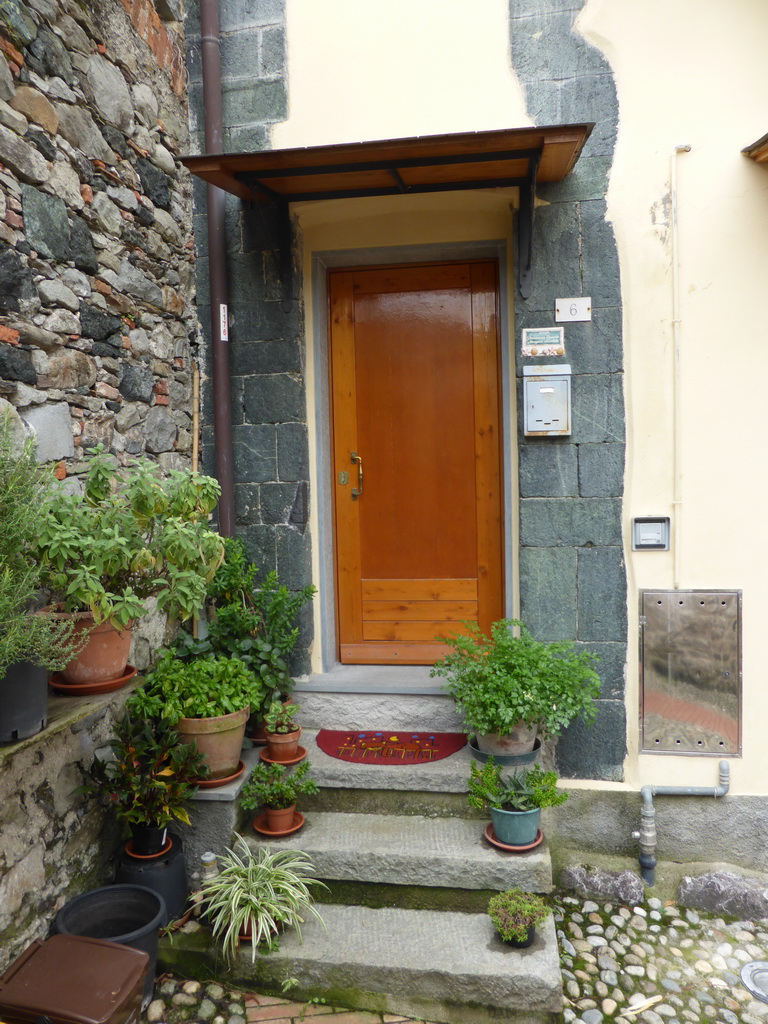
(25, 489)
(107, 550)
(515, 914)
(207, 699)
(254, 895)
(204, 688)
(506, 680)
(32, 641)
(151, 777)
(249, 619)
(273, 786)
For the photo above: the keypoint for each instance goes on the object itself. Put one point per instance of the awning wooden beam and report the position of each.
(758, 151)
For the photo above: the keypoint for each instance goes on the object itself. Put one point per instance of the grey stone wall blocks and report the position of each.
(548, 591)
(572, 574)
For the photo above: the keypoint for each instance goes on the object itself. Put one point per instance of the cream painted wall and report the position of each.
(694, 73)
(691, 72)
(387, 69)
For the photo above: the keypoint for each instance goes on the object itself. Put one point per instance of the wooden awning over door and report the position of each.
(431, 163)
(520, 157)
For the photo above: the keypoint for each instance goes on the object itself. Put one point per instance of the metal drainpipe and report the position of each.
(647, 833)
(217, 264)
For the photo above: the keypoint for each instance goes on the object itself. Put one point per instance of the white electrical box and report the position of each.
(547, 400)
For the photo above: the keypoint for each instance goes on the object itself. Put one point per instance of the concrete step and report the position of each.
(445, 967)
(410, 850)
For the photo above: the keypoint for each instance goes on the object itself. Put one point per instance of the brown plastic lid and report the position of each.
(72, 979)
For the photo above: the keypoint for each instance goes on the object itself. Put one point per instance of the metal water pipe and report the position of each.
(647, 833)
(217, 269)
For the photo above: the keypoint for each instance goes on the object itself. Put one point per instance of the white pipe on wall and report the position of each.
(677, 469)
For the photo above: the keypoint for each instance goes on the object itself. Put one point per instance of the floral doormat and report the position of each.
(390, 747)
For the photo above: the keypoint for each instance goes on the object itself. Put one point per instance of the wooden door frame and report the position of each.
(321, 263)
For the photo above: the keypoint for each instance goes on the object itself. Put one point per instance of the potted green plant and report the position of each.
(32, 641)
(509, 686)
(254, 895)
(277, 790)
(208, 702)
(250, 619)
(516, 802)
(515, 914)
(129, 536)
(148, 782)
(281, 732)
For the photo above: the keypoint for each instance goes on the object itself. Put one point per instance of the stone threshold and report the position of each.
(383, 679)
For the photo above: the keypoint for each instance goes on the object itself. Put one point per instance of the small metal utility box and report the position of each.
(547, 400)
(71, 979)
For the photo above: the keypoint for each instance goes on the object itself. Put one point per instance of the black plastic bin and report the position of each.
(166, 873)
(70, 979)
(128, 914)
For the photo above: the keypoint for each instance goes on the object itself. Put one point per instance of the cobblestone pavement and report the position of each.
(656, 964)
(649, 964)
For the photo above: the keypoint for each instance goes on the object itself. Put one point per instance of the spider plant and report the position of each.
(255, 894)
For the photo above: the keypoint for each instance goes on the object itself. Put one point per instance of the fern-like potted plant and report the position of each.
(32, 641)
(277, 790)
(148, 782)
(208, 702)
(508, 687)
(255, 895)
(515, 914)
(129, 536)
(515, 803)
(282, 732)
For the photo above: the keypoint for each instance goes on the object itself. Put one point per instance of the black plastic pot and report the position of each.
(147, 840)
(166, 873)
(523, 943)
(128, 914)
(23, 701)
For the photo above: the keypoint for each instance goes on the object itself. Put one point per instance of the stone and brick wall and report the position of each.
(96, 262)
(97, 335)
(572, 573)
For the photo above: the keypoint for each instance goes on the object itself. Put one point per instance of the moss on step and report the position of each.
(390, 801)
(407, 897)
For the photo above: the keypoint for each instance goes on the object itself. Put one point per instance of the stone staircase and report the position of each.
(409, 875)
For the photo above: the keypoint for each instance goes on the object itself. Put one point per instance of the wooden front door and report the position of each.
(416, 457)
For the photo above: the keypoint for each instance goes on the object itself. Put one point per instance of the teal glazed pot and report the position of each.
(515, 828)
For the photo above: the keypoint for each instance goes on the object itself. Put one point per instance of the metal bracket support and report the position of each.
(525, 228)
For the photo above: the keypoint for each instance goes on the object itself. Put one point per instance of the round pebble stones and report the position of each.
(655, 964)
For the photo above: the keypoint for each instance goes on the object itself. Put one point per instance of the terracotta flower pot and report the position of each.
(105, 654)
(280, 819)
(283, 746)
(519, 740)
(219, 738)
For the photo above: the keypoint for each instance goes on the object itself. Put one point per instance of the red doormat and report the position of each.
(390, 747)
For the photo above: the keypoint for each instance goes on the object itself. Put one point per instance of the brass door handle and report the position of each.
(355, 458)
